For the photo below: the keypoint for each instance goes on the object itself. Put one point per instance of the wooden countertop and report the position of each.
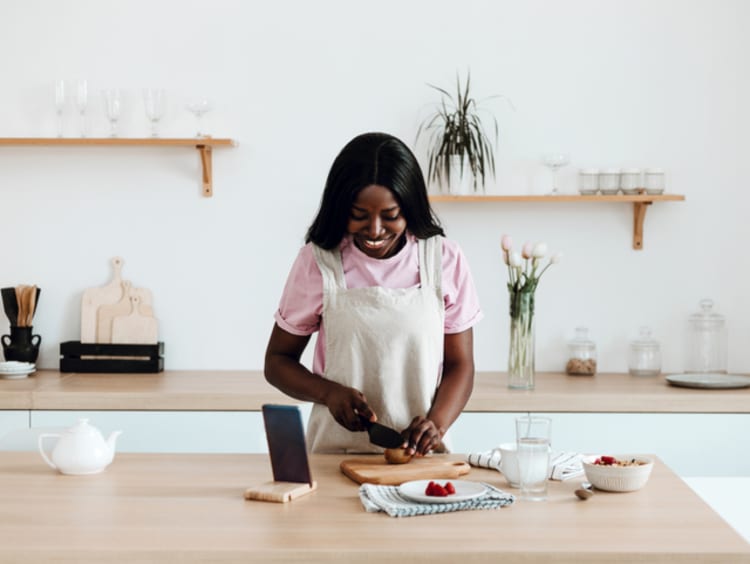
(189, 508)
(193, 390)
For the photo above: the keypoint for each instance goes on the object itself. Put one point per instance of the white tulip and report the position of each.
(515, 259)
(540, 250)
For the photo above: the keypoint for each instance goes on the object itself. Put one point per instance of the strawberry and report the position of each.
(449, 488)
(608, 460)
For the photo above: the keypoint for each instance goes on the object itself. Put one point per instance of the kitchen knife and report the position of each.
(383, 436)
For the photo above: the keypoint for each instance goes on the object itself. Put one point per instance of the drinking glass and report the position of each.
(154, 100)
(533, 452)
(59, 105)
(555, 161)
(82, 100)
(112, 107)
(198, 107)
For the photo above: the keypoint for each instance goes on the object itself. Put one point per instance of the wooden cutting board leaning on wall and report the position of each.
(93, 298)
(135, 327)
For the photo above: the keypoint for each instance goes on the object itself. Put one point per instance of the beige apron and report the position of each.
(385, 342)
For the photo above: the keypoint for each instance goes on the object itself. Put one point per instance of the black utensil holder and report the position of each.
(116, 358)
(21, 344)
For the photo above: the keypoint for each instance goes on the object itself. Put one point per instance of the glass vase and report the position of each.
(521, 352)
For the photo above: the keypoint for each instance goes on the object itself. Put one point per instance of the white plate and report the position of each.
(414, 490)
(709, 380)
(16, 375)
(10, 366)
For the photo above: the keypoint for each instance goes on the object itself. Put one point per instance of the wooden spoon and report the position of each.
(32, 305)
(585, 491)
(21, 305)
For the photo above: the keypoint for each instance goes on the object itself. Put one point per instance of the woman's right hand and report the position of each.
(349, 407)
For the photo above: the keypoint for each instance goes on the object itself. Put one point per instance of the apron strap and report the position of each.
(331, 269)
(431, 263)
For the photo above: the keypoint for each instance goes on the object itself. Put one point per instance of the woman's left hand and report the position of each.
(423, 436)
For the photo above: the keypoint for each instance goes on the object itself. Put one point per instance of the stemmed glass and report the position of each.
(59, 105)
(198, 107)
(555, 161)
(154, 101)
(82, 99)
(112, 106)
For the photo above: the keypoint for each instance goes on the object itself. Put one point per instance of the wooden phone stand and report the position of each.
(280, 492)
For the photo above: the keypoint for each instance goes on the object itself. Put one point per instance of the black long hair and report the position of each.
(373, 158)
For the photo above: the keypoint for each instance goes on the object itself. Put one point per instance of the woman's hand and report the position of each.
(349, 407)
(423, 436)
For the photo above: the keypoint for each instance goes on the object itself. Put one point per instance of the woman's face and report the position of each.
(376, 223)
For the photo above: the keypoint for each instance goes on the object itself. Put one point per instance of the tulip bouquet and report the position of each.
(524, 271)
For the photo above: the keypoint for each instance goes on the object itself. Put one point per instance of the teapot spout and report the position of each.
(111, 440)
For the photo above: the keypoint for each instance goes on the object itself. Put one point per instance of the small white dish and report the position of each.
(618, 478)
(14, 369)
(465, 490)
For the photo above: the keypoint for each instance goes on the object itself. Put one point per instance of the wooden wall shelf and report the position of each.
(639, 201)
(204, 145)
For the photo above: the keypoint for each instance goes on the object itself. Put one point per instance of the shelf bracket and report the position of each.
(205, 151)
(639, 216)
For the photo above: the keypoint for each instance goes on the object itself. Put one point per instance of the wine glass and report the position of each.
(198, 107)
(112, 107)
(59, 105)
(154, 100)
(555, 161)
(82, 99)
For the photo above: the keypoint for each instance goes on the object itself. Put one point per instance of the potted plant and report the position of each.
(460, 153)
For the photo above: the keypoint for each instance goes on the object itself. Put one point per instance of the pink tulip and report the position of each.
(528, 250)
(506, 243)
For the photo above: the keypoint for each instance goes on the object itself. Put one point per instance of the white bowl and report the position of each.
(618, 478)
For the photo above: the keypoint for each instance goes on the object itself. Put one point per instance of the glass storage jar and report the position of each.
(654, 180)
(707, 340)
(588, 180)
(645, 355)
(630, 180)
(581, 354)
(609, 181)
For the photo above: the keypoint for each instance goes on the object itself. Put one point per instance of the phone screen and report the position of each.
(286, 443)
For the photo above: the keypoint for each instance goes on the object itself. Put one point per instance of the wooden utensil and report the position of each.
(93, 298)
(377, 471)
(135, 328)
(32, 293)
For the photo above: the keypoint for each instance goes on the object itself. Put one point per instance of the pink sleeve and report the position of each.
(301, 302)
(459, 293)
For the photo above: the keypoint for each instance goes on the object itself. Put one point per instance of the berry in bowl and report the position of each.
(621, 473)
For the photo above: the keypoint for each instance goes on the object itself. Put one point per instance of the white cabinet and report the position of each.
(171, 431)
(691, 444)
(14, 425)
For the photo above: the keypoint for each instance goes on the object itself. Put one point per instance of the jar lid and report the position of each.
(631, 170)
(610, 171)
(588, 171)
(582, 337)
(654, 171)
(707, 317)
(645, 340)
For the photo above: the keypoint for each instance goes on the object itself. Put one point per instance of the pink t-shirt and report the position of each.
(301, 303)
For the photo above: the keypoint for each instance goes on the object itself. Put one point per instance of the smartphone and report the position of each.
(286, 443)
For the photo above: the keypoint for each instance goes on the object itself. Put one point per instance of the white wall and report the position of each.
(615, 83)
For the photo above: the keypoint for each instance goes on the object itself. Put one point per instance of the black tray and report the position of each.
(99, 357)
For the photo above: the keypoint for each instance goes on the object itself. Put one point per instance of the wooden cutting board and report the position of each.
(93, 298)
(377, 471)
(135, 328)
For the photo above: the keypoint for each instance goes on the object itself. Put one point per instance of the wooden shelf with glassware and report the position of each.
(204, 145)
(639, 201)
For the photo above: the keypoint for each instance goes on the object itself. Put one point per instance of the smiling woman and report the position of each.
(394, 304)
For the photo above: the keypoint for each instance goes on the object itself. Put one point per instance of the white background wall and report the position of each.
(643, 83)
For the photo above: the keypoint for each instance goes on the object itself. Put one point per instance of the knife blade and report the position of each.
(383, 436)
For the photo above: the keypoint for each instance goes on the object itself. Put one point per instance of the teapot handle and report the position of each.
(6, 338)
(41, 438)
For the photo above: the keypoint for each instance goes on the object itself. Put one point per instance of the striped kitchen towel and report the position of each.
(388, 499)
(563, 465)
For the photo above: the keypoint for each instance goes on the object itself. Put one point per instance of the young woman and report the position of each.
(393, 303)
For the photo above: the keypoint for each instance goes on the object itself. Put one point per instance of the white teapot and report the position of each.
(81, 449)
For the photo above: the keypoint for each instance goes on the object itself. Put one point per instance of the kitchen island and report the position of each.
(190, 508)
